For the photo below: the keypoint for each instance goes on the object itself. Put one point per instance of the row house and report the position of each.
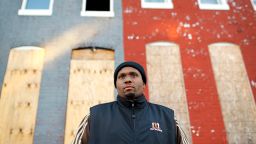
(57, 59)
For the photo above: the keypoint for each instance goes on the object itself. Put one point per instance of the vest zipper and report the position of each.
(133, 120)
(133, 116)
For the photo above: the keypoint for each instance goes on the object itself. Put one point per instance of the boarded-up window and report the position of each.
(20, 93)
(90, 83)
(166, 84)
(235, 95)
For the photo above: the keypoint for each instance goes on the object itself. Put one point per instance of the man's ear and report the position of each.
(144, 86)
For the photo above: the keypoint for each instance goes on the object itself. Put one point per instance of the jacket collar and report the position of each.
(139, 102)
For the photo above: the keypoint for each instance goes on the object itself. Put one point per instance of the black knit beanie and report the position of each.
(130, 64)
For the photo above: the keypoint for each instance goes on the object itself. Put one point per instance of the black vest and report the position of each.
(131, 122)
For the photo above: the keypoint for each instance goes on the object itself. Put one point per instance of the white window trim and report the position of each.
(161, 43)
(253, 5)
(35, 12)
(157, 5)
(222, 44)
(98, 13)
(223, 6)
(27, 48)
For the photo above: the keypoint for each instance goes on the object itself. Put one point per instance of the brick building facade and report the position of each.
(199, 56)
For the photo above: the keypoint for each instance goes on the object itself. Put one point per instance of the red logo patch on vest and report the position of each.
(156, 127)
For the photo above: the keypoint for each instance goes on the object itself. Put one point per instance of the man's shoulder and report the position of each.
(102, 105)
(161, 107)
(104, 109)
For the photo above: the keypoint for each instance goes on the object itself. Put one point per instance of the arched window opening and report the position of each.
(20, 94)
(165, 80)
(235, 94)
(90, 83)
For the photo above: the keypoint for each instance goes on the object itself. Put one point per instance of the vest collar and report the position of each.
(139, 102)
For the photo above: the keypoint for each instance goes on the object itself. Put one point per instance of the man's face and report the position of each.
(129, 82)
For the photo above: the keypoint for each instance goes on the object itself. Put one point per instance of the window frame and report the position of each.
(253, 5)
(157, 5)
(223, 5)
(110, 13)
(35, 12)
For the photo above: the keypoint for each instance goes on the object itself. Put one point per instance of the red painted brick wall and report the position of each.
(193, 30)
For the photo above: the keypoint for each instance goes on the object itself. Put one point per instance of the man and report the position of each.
(130, 119)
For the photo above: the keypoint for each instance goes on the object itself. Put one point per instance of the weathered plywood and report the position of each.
(165, 80)
(236, 98)
(19, 97)
(92, 54)
(90, 83)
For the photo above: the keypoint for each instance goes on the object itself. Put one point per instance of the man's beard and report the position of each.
(130, 96)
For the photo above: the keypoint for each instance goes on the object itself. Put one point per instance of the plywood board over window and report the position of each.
(166, 84)
(90, 83)
(235, 94)
(20, 93)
